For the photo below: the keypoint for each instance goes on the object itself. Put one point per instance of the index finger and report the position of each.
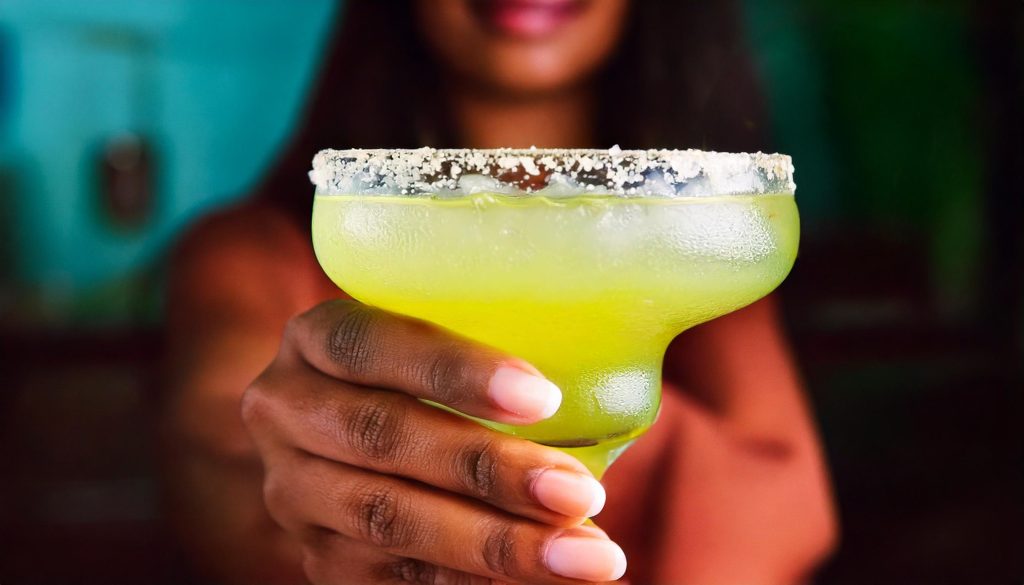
(372, 347)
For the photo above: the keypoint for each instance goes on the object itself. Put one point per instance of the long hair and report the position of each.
(681, 77)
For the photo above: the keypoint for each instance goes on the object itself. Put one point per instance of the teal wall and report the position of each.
(215, 85)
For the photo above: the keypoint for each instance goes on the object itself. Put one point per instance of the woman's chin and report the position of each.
(548, 72)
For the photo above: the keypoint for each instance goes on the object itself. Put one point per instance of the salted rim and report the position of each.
(553, 172)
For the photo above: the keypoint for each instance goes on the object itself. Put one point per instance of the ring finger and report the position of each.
(414, 521)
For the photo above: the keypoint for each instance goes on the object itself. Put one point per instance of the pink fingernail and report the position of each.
(589, 559)
(569, 493)
(524, 395)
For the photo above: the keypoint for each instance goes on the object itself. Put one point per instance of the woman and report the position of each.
(334, 480)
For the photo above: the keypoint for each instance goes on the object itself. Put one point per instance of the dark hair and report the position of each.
(680, 78)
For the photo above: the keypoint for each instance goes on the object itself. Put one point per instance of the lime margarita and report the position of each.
(588, 285)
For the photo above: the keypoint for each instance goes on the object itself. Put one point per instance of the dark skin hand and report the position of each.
(363, 482)
(376, 484)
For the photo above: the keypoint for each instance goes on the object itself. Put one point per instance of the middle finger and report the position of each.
(396, 434)
(411, 520)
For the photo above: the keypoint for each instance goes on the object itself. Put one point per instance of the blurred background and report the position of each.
(122, 121)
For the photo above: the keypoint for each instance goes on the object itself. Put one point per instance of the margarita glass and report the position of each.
(586, 263)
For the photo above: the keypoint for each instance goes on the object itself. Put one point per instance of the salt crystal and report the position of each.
(652, 173)
(529, 166)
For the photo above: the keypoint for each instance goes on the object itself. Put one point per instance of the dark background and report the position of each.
(122, 121)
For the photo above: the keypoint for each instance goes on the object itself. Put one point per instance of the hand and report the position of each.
(382, 488)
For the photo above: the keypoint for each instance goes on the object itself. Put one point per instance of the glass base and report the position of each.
(600, 456)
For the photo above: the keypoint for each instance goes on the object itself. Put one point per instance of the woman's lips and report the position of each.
(528, 18)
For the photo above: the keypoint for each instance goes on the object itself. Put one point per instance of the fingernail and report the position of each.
(589, 559)
(569, 493)
(524, 395)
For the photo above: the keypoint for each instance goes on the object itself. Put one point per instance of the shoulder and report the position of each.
(249, 228)
(247, 254)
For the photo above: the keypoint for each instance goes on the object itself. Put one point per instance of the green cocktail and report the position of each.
(584, 263)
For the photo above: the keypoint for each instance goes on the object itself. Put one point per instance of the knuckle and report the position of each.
(499, 549)
(318, 565)
(294, 328)
(446, 376)
(349, 342)
(373, 429)
(329, 558)
(255, 405)
(412, 571)
(477, 468)
(277, 498)
(313, 567)
(383, 519)
(326, 555)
